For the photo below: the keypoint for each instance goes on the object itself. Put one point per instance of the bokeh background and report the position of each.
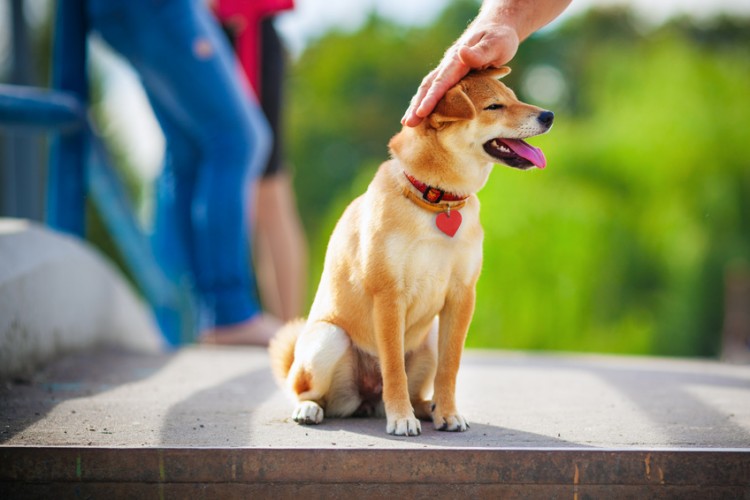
(635, 239)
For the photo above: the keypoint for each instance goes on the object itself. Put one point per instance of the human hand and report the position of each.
(482, 46)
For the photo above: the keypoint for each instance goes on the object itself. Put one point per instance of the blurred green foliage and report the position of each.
(622, 244)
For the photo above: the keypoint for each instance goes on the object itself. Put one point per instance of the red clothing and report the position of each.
(243, 18)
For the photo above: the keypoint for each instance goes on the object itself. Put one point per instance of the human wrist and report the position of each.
(500, 14)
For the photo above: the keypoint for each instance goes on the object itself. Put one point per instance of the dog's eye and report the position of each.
(493, 107)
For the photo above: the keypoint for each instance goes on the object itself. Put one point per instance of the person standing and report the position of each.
(216, 140)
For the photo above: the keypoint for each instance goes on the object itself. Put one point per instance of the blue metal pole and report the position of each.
(32, 109)
(79, 164)
(66, 191)
(20, 172)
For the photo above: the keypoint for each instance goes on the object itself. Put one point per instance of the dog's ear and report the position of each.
(454, 106)
(498, 73)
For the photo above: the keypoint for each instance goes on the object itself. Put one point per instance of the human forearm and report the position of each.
(523, 16)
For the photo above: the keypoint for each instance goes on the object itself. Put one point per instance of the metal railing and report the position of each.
(79, 167)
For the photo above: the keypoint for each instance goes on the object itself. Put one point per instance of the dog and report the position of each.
(386, 329)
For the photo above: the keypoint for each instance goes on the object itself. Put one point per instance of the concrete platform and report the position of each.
(210, 422)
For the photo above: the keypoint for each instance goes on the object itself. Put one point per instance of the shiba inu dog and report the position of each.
(387, 326)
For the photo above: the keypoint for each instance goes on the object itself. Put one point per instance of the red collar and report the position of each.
(432, 194)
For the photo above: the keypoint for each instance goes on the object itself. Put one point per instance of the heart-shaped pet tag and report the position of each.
(448, 222)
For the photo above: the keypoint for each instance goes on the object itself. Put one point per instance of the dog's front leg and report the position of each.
(389, 332)
(454, 325)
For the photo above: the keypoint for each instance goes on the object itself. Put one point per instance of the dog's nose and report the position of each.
(546, 118)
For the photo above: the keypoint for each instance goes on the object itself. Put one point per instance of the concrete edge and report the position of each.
(579, 466)
(59, 295)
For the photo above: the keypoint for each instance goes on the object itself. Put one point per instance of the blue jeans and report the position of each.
(216, 140)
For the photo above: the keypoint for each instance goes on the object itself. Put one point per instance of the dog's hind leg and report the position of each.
(322, 362)
(343, 398)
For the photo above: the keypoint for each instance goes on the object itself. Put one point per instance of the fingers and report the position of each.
(479, 49)
(433, 88)
(446, 77)
(411, 118)
(492, 48)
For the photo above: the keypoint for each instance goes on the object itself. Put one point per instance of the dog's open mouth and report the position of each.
(515, 153)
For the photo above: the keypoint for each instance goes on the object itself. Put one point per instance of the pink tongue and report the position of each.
(525, 150)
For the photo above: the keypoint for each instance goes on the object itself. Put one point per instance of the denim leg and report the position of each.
(189, 73)
(173, 229)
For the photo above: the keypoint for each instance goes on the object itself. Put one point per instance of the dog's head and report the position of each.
(490, 121)
(479, 122)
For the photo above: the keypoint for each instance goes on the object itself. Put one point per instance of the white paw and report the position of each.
(451, 423)
(408, 426)
(308, 412)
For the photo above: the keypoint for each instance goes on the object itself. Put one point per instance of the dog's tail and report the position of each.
(281, 349)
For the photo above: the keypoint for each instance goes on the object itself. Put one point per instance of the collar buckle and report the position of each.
(433, 194)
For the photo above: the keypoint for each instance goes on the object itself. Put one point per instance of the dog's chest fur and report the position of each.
(387, 244)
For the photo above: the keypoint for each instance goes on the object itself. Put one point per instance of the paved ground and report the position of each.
(226, 397)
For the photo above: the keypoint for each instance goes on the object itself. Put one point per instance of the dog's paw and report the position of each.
(408, 426)
(307, 413)
(451, 423)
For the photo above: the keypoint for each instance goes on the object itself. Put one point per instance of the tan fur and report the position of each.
(281, 348)
(389, 274)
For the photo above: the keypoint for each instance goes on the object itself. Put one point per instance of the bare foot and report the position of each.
(256, 331)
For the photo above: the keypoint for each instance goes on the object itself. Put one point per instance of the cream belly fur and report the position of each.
(387, 326)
